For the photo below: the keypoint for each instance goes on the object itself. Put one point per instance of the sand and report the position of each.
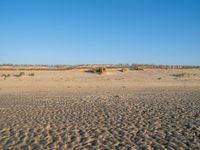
(79, 110)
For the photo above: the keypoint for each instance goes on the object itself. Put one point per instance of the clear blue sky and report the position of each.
(100, 31)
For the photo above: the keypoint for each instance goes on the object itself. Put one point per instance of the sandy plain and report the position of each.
(74, 109)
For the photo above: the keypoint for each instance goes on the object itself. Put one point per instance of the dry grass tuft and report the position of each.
(124, 70)
(5, 76)
(187, 75)
(20, 74)
(99, 70)
(31, 74)
(138, 68)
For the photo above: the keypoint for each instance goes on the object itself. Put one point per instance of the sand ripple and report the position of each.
(141, 120)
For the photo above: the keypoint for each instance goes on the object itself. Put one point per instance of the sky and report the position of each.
(100, 32)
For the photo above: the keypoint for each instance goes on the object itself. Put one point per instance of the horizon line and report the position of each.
(86, 64)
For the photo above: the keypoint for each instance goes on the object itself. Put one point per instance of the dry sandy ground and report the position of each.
(79, 110)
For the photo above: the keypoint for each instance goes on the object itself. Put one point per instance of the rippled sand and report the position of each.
(78, 117)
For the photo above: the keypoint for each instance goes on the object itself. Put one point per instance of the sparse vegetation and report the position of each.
(31, 74)
(5, 76)
(160, 78)
(119, 78)
(99, 70)
(187, 75)
(20, 74)
(139, 68)
(123, 70)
